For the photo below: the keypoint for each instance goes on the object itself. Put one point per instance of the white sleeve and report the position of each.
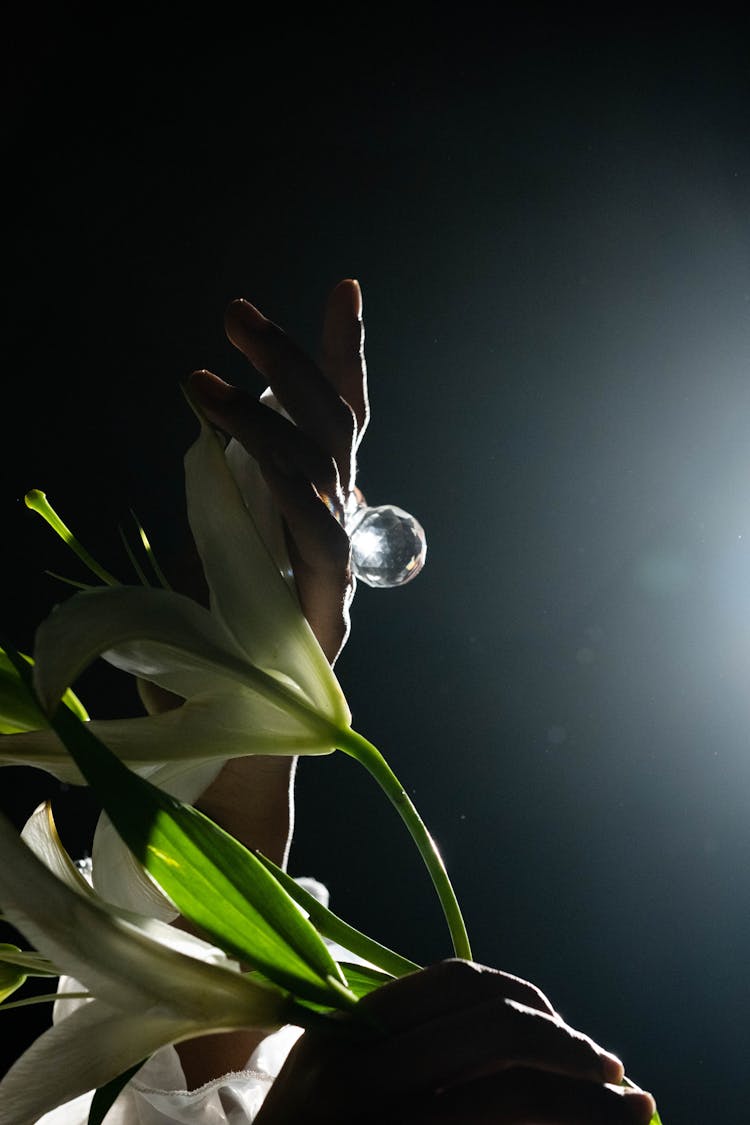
(158, 1094)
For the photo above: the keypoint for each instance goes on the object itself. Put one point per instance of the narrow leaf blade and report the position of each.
(336, 929)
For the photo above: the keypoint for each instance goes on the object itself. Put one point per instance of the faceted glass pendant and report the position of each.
(388, 545)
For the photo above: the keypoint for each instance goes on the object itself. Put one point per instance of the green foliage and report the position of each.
(19, 708)
(336, 929)
(11, 976)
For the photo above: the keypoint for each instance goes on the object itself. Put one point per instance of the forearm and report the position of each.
(253, 799)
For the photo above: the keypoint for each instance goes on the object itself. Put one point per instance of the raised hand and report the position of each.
(308, 458)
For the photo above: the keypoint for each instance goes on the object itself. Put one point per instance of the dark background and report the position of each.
(549, 219)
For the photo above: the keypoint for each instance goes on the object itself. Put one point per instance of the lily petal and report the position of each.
(258, 500)
(118, 876)
(139, 895)
(41, 749)
(206, 729)
(248, 593)
(82, 1052)
(113, 958)
(40, 834)
(162, 636)
(174, 642)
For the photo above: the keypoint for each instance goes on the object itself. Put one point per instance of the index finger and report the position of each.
(298, 384)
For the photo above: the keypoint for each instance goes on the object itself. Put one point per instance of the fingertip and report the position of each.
(208, 390)
(640, 1103)
(612, 1069)
(647, 1105)
(351, 287)
(241, 320)
(356, 297)
(243, 307)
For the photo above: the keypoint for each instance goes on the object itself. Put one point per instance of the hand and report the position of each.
(309, 464)
(465, 1045)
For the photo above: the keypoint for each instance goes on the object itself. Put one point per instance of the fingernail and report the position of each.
(248, 313)
(209, 389)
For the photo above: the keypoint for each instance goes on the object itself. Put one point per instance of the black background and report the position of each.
(549, 220)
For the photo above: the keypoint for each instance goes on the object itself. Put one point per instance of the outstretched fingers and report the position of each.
(308, 453)
(266, 435)
(304, 392)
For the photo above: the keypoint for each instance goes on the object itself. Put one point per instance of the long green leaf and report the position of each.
(336, 929)
(362, 979)
(212, 879)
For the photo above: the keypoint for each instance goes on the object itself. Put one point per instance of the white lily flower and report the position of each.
(250, 669)
(151, 985)
(252, 675)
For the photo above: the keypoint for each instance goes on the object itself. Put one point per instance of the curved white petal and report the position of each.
(64, 1004)
(157, 634)
(201, 734)
(209, 728)
(40, 834)
(112, 957)
(248, 594)
(41, 749)
(121, 880)
(86, 1050)
(258, 500)
(118, 876)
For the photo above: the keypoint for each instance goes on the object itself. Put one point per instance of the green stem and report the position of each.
(357, 747)
(37, 501)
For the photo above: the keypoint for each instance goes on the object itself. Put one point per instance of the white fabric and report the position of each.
(158, 1094)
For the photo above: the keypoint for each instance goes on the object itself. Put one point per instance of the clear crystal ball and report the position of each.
(388, 545)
